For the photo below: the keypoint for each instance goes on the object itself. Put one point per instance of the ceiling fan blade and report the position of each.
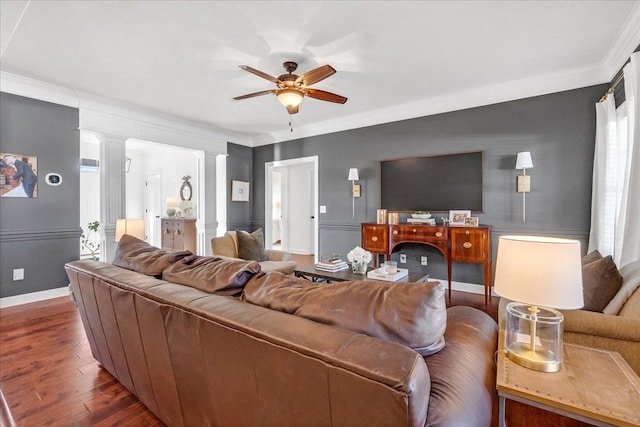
(325, 96)
(260, 73)
(251, 95)
(293, 110)
(315, 75)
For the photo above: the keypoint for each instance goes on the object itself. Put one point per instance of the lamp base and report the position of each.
(541, 359)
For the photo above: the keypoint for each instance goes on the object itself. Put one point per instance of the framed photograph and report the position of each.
(19, 175)
(458, 217)
(471, 221)
(239, 191)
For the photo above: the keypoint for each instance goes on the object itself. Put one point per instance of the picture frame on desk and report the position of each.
(458, 217)
(471, 221)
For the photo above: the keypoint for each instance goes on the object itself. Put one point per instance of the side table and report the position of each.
(313, 274)
(594, 386)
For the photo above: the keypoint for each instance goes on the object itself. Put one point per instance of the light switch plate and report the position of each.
(323, 209)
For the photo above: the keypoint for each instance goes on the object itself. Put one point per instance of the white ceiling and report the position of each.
(395, 60)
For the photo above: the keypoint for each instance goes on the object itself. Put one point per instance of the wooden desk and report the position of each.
(457, 244)
(313, 274)
(594, 386)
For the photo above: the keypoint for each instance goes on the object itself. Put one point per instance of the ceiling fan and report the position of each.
(291, 88)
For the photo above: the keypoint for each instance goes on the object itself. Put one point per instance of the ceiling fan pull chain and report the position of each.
(291, 122)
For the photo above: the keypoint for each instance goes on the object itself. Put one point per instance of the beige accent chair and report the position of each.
(227, 247)
(617, 328)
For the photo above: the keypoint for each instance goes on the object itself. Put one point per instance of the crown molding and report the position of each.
(36, 89)
(119, 116)
(477, 97)
(626, 42)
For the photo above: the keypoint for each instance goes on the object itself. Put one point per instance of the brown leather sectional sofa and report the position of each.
(197, 358)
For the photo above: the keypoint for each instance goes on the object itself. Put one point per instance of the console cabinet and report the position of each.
(457, 244)
(179, 234)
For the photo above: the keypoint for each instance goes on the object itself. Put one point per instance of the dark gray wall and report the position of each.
(240, 167)
(40, 234)
(558, 129)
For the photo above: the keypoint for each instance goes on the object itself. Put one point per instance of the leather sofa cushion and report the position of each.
(412, 314)
(210, 274)
(137, 255)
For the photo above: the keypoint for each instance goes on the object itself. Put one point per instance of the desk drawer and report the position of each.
(470, 244)
(418, 233)
(375, 238)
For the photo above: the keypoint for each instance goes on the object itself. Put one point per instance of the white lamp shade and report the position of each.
(524, 160)
(541, 271)
(132, 227)
(353, 174)
(172, 202)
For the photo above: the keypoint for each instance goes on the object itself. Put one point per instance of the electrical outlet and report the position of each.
(323, 209)
(403, 258)
(18, 274)
(423, 260)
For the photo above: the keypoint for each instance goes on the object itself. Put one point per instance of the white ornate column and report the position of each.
(112, 189)
(209, 215)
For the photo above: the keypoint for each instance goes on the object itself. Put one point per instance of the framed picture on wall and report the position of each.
(239, 191)
(18, 175)
(458, 217)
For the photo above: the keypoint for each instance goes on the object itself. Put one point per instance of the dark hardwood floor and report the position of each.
(48, 376)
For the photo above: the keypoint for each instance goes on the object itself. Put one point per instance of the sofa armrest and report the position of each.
(602, 325)
(614, 333)
(277, 255)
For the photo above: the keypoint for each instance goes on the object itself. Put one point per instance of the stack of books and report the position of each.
(332, 266)
(426, 221)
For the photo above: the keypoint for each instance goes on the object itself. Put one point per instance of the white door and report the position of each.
(299, 210)
(298, 204)
(153, 209)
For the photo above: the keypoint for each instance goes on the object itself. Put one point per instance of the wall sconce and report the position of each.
(524, 162)
(132, 227)
(355, 188)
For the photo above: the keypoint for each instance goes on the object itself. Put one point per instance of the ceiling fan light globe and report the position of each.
(289, 97)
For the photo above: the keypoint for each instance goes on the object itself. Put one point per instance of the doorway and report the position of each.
(291, 205)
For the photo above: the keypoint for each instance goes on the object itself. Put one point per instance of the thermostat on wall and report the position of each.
(53, 179)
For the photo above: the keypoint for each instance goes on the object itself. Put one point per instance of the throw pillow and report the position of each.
(137, 255)
(210, 274)
(601, 281)
(591, 256)
(251, 246)
(412, 314)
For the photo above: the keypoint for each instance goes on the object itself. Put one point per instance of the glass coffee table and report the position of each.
(315, 275)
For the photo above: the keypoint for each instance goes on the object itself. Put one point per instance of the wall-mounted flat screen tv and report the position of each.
(434, 183)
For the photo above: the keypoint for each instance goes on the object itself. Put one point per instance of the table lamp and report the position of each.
(133, 227)
(538, 274)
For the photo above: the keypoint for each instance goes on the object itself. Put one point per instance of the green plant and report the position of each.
(86, 241)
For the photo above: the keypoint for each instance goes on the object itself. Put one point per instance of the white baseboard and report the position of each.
(472, 288)
(34, 297)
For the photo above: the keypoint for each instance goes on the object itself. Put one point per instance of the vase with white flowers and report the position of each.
(359, 259)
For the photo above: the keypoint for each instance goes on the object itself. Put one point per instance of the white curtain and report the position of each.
(627, 237)
(604, 192)
(615, 205)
